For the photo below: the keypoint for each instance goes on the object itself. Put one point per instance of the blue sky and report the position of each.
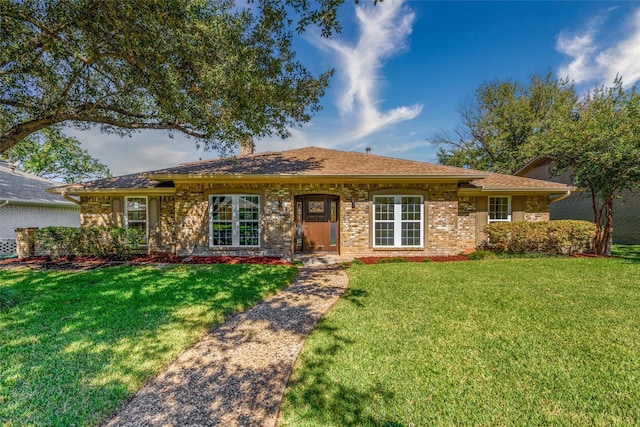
(404, 67)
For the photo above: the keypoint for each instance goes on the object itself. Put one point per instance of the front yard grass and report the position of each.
(499, 342)
(626, 251)
(77, 344)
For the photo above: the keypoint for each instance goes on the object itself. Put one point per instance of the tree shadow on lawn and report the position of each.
(237, 373)
(77, 342)
(315, 397)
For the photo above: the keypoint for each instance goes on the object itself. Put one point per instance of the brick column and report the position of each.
(25, 245)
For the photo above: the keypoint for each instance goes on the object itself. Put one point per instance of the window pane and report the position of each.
(411, 208)
(249, 233)
(384, 234)
(222, 234)
(411, 233)
(499, 208)
(142, 230)
(383, 207)
(221, 209)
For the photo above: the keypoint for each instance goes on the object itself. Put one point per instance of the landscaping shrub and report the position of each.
(565, 237)
(99, 242)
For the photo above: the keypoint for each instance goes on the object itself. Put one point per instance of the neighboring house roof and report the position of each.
(313, 164)
(537, 160)
(21, 188)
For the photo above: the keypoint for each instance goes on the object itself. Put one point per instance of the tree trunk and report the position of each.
(604, 231)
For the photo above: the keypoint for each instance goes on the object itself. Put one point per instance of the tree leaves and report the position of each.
(209, 69)
(503, 125)
(52, 155)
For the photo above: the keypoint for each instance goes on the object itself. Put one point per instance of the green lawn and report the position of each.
(626, 251)
(497, 342)
(79, 343)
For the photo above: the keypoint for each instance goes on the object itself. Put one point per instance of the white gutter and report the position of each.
(69, 198)
(4, 202)
(560, 197)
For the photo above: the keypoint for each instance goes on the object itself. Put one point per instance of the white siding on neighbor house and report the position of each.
(16, 216)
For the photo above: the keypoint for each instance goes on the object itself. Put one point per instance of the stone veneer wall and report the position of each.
(184, 218)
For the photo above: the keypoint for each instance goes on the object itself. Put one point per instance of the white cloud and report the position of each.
(384, 32)
(593, 60)
(143, 151)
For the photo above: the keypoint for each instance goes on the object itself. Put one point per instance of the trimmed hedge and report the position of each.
(99, 242)
(565, 237)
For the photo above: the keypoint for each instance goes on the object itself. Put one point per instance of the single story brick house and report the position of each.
(313, 200)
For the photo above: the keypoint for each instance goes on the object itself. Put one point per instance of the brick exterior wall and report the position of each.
(536, 208)
(450, 223)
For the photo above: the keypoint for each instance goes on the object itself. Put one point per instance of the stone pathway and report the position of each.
(236, 375)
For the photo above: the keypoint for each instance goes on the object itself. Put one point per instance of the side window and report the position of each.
(500, 209)
(135, 216)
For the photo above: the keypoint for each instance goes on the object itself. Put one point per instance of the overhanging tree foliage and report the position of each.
(53, 155)
(598, 142)
(209, 69)
(502, 126)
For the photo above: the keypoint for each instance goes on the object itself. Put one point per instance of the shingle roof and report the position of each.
(497, 181)
(315, 161)
(19, 187)
(310, 162)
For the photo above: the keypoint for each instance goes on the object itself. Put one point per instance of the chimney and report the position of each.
(246, 147)
(368, 150)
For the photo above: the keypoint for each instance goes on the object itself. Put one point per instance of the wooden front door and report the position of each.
(317, 223)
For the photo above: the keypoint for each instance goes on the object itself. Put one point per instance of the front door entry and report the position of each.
(317, 223)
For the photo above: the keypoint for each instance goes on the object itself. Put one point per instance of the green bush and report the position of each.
(58, 241)
(564, 237)
(99, 242)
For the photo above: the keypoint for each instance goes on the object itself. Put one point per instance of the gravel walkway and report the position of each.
(236, 375)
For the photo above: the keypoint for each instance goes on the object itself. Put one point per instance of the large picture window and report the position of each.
(397, 221)
(135, 216)
(499, 209)
(235, 220)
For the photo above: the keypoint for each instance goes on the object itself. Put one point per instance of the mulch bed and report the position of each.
(380, 260)
(84, 263)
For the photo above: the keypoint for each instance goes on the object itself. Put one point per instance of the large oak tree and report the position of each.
(210, 69)
(503, 124)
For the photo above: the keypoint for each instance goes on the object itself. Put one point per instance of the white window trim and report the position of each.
(146, 221)
(509, 212)
(235, 221)
(397, 221)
